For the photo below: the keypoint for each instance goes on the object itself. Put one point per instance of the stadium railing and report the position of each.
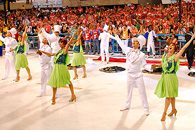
(34, 43)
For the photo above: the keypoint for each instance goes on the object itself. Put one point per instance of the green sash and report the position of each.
(58, 54)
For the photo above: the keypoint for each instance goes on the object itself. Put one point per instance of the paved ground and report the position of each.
(100, 96)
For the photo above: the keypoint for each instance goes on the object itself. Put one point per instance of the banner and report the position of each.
(49, 3)
(173, 1)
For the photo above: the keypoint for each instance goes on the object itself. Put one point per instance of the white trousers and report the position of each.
(27, 48)
(136, 80)
(52, 62)
(9, 63)
(106, 49)
(125, 42)
(152, 46)
(45, 75)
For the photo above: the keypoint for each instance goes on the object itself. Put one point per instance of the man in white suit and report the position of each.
(45, 61)
(9, 42)
(135, 59)
(104, 44)
(53, 40)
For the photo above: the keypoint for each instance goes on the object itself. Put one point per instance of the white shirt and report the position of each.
(53, 40)
(45, 60)
(135, 58)
(9, 42)
(150, 36)
(104, 37)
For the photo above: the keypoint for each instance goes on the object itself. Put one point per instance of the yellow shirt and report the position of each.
(23, 8)
(5, 29)
(1, 44)
(125, 34)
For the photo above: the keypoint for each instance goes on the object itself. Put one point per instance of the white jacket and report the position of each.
(9, 42)
(104, 37)
(135, 58)
(53, 40)
(45, 60)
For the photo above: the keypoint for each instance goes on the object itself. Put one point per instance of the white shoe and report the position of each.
(124, 109)
(147, 113)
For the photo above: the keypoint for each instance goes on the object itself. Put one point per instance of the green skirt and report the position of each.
(167, 86)
(21, 61)
(78, 59)
(60, 76)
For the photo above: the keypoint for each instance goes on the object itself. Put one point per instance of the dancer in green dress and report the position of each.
(21, 59)
(168, 84)
(78, 58)
(60, 76)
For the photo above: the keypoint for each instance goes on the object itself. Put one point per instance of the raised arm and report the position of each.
(49, 54)
(24, 35)
(40, 36)
(79, 38)
(68, 44)
(45, 34)
(177, 56)
(110, 36)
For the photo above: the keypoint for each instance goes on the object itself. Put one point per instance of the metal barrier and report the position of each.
(34, 43)
(34, 40)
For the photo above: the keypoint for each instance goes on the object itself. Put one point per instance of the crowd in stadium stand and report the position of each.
(136, 18)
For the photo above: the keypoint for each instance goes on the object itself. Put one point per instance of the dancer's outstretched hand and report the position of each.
(193, 36)
(39, 52)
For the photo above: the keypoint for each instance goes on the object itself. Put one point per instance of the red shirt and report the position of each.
(63, 17)
(95, 34)
(95, 16)
(147, 19)
(118, 21)
(80, 10)
(176, 42)
(40, 22)
(87, 36)
(32, 20)
(132, 7)
(148, 6)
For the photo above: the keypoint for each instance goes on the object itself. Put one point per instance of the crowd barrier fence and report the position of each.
(34, 43)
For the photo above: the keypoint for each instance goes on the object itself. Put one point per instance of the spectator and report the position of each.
(133, 31)
(181, 30)
(95, 34)
(151, 42)
(125, 36)
(87, 36)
